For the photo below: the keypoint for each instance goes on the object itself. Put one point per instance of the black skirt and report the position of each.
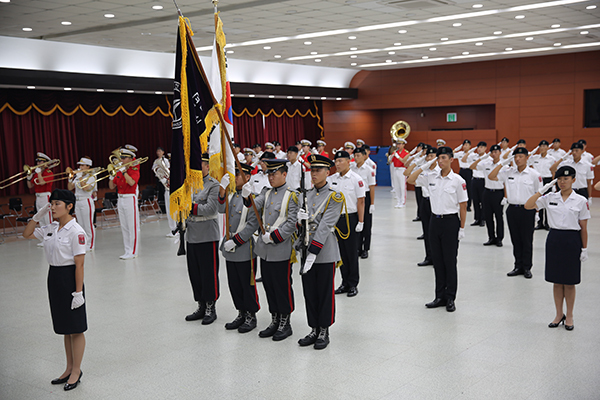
(563, 249)
(61, 283)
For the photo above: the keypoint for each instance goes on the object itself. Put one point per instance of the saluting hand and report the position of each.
(547, 187)
(41, 212)
(564, 158)
(77, 301)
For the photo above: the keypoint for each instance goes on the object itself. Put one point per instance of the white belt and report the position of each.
(127, 195)
(80, 198)
(42, 194)
(200, 218)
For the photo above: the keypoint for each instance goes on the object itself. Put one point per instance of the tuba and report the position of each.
(162, 172)
(400, 130)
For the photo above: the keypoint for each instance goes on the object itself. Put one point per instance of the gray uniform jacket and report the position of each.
(324, 207)
(202, 224)
(244, 242)
(269, 204)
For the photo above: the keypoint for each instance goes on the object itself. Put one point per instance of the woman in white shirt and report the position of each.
(65, 246)
(566, 244)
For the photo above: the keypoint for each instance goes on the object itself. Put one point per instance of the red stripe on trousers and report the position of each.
(289, 271)
(91, 223)
(134, 198)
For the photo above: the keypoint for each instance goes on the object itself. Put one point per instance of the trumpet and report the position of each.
(27, 172)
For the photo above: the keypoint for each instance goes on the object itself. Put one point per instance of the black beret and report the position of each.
(247, 169)
(63, 195)
(521, 141)
(293, 148)
(205, 157)
(431, 150)
(276, 143)
(577, 145)
(360, 150)
(582, 141)
(484, 144)
(565, 171)
(544, 142)
(236, 145)
(556, 140)
(466, 141)
(267, 156)
(505, 139)
(520, 150)
(341, 154)
(495, 147)
(317, 160)
(421, 144)
(256, 145)
(445, 150)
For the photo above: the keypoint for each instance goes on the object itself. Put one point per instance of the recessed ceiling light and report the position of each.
(477, 5)
(323, 98)
(267, 47)
(529, 38)
(30, 87)
(402, 31)
(306, 97)
(250, 95)
(146, 33)
(157, 7)
(66, 23)
(557, 44)
(498, 33)
(432, 49)
(465, 53)
(67, 88)
(397, 44)
(353, 64)
(271, 96)
(519, 16)
(583, 32)
(353, 48)
(351, 37)
(444, 39)
(456, 24)
(109, 15)
(314, 53)
(308, 43)
(338, 98)
(317, 60)
(425, 57)
(99, 90)
(157, 92)
(290, 97)
(388, 61)
(229, 51)
(27, 29)
(277, 56)
(479, 44)
(391, 52)
(508, 49)
(590, 7)
(353, 56)
(555, 26)
(4, 1)
(130, 91)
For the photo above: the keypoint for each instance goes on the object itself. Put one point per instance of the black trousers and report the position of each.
(277, 281)
(243, 293)
(348, 250)
(203, 269)
(583, 192)
(542, 213)
(476, 194)
(520, 225)
(319, 296)
(365, 235)
(443, 233)
(160, 194)
(492, 208)
(467, 175)
(425, 218)
(419, 197)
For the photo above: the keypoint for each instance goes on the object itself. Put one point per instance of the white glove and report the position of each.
(427, 165)
(504, 201)
(584, 255)
(111, 178)
(302, 215)
(413, 151)
(547, 187)
(590, 201)
(267, 238)
(472, 150)
(534, 151)
(225, 181)
(461, 233)
(485, 156)
(41, 212)
(564, 158)
(229, 246)
(372, 209)
(513, 148)
(397, 156)
(507, 161)
(457, 148)
(30, 176)
(310, 260)
(246, 190)
(77, 301)
(38, 170)
(359, 227)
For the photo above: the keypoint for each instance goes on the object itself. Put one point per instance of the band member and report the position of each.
(324, 206)
(541, 163)
(555, 151)
(278, 152)
(162, 168)
(260, 179)
(521, 182)
(85, 186)
(304, 153)
(126, 183)
(294, 165)
(249, 158)
(390, 157)
(269, 147)
(321, 148)
(398, 178)
(350, 223)
(279, 207)
(238, 252)
(42, 189)
(367, 175)
(585, 170)
(65, 247)
(350, 147)
(465, 172)
(566, 244)
(202, 237)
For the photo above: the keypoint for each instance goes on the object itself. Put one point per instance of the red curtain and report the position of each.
(249, 130)
(286, 130)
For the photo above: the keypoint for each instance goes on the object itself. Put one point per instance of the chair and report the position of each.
(147, 202)
(109, 210)
(15, 210)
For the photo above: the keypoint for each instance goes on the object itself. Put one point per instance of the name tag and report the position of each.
(49, 234)
(334, 183)
(553, 204)
(511, 178)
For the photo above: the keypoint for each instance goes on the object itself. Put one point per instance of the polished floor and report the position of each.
(384, 345)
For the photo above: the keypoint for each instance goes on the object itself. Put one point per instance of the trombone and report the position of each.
(112, 169)
(57, 177)
(27, 172)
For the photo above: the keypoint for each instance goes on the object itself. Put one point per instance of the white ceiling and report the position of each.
(328, 25)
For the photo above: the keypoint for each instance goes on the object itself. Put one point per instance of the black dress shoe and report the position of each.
(210, 315)
(481, 223)
(527, 274)
(322, 339)
(425, 263)
(468, 209)
(364, 254)
(450, 307)
(284, 329)
(271, 329)
(249, 323)
(436, 303)
(71, 386)
(538, 227)
(499, 243)
(490, 242)
(515, 272)
(475, 223)
(236, 323)
(198, 314)
(60, 381)
(353, 291)
(422, 237)
(341, 289)
(416, 219)
(555, 325)
(309, 339)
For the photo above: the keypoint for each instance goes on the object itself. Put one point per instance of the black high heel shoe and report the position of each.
(60, 381)
(569, 327)
(71, 386)
(562, 321)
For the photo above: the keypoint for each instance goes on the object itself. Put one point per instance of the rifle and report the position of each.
(181, 230)
(303, 233)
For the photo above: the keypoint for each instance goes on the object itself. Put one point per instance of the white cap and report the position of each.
(130, 147)
(43, 156)
(269, 145)
(401, 141)
(305, 142)
(127, 152)
(85, 161)
(440, 142)
(248, 150)
(349, 144)
(321, 143)
(360, 142)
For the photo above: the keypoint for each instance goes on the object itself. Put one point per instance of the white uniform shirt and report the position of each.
(587, 157)
(366, 173)
(486, 166)
(371, 163)
(446, 193)
(520, 186)
(542, 164)
(556, 153)
(583, 172)
(422, 180)
(61, 246)
(471, 159)
(281, 155)
(260, 180)
(351, 185)
(294, 174)
(80, 193)
(564, 215)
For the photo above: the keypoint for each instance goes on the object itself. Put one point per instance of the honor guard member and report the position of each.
(504, 145)
(279, 207)
(585, 170)
(398, 178)
(586, 156)
(520, 182)
(566, 243)
(419, 176)
(126, 183)
(369, 161)
(541, 163)
(260, 180)
(465, 172)
(238, 252)
(492, 196)
(202, 236)
(367, 175)
(555, 151)
(351, 222)
(324, 206)
(42, 189)
(85, 185)
(294, 165)
(321, 148)
(477, 183)
(161, 168)
(448, 196)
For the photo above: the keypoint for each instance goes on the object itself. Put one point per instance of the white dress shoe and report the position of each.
(171, 235)
(128, 256)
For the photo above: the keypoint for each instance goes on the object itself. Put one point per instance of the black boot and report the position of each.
(285, 328)
(236, 323)
(249, 323)
(309, 339)
(322, 339)
(272, 328)
(210, 315)
(198, 314)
